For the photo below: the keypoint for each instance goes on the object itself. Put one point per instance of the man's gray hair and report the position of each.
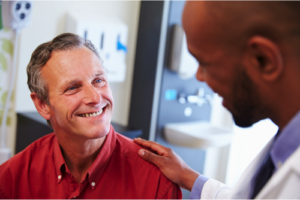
(41, 55)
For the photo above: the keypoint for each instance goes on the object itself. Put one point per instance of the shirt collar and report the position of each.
(96, 169)
(287, 142)
(58, 160)
(101, 161)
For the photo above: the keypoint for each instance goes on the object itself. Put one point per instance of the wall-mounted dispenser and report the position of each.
(108, 34)
(181, 61)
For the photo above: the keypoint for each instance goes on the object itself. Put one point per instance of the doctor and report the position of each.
(248, 53)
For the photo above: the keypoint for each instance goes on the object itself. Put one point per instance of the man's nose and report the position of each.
(200, 74)
(92, 95)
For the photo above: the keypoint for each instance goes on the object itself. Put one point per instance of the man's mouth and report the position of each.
(94, 114)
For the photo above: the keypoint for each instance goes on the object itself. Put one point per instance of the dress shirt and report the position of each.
(282, 148)
(40, 171)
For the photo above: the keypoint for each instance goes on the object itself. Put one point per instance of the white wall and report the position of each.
(49, 19)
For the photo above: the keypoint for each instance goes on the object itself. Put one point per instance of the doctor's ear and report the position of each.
(41, 106)
(264, 58)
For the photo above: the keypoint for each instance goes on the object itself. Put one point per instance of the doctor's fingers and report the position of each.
(159, 149)
(171, 166)
(151, 157)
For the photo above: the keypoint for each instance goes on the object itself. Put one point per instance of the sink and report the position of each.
(197, 134)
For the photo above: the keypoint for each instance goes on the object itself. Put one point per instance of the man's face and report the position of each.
(80, 99)
(221, 69)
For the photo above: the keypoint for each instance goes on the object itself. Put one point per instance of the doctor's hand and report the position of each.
(169, 163)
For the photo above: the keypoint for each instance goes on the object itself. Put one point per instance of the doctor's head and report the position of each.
(248, 54)
(69, 87)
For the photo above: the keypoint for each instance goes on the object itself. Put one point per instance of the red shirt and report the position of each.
(40, 171)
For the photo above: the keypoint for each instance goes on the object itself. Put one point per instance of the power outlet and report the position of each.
(109, 36)
(16, 14)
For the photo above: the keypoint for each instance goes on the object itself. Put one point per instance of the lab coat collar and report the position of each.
(287, 142)
(244, 189)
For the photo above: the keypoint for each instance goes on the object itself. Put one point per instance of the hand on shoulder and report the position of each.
(169, 163)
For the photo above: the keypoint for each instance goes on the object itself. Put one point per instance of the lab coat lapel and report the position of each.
(243, 188)
(285, 182)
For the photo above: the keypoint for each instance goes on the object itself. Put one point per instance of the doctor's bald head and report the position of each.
(231, 24)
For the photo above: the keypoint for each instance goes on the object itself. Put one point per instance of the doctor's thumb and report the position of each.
(149, 156)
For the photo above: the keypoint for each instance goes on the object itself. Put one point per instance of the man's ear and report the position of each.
(265, 58)
(41, 106)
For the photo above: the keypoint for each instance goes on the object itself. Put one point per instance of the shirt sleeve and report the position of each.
(173, 193)
(197, 187)
(167, 190)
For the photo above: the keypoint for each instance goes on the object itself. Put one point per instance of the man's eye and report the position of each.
(100, 82)
(72, 88)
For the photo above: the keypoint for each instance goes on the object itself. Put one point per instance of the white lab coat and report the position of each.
(284, 184)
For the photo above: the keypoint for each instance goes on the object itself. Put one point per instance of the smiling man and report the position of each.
(84, 157)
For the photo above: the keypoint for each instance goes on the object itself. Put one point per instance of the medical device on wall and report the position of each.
(15, 15)
(108, 35)
(181, 61)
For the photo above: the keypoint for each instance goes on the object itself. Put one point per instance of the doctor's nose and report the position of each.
(92, 96)
(200, 74)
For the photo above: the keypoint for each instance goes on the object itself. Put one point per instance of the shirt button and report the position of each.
(93, 184)
(59, 177)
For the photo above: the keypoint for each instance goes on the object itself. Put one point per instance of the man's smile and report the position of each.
(92, 114)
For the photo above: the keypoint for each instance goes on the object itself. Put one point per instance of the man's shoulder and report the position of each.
(41, 143)
(25, 164)
(38, 147)
(129, 149)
